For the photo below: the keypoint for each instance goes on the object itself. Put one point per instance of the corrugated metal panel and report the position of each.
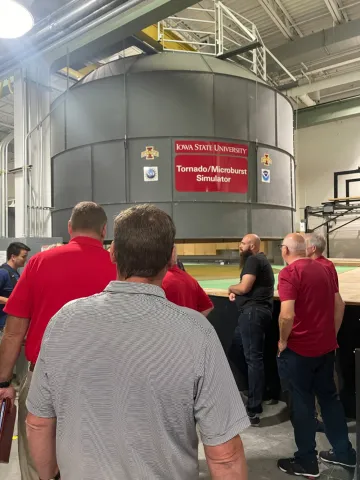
(352, 9)
(309, 15)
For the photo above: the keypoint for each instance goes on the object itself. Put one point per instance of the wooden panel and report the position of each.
(343, 199)
(180, 248)
(346, 262)
(189, 249)
(205, 249)
(264, 247)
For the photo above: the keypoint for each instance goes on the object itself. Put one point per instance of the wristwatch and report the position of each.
(5, 384)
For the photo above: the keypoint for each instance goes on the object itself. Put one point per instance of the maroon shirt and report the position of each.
(308, 283)
(328, 264)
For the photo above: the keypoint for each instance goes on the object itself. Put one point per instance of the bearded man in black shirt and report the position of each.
(254, 299)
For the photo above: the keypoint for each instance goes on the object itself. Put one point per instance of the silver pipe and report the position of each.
(8, 66)
(49, 18)
(11, 138)
(2, 168)
(4, 178)
(37, 225)
(41, 173)
(25, 156)
(68, 18)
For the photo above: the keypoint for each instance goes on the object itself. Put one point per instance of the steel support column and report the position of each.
(32, 153)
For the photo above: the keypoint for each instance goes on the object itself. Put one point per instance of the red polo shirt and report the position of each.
(328, 264)
(313, 289)
(55, 277)
(183, 290)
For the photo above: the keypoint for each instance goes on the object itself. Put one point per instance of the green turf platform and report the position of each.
(224, 283)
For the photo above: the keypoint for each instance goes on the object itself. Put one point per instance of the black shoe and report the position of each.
(320, 428)
(292, 466)
(254, 419)
(348, 460)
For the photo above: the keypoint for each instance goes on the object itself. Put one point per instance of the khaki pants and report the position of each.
(27, 468)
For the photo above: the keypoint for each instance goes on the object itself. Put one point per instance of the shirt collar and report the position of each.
(135, 288)
(83, 240)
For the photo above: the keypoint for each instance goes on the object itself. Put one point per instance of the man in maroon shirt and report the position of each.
(310, 317)
(315, 247)
(183, 290)
(50, 280)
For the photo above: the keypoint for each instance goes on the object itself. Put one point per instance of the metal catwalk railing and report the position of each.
(218, 31)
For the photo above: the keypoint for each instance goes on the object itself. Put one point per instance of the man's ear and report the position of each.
(112, 252)
(70, 228)
(172, 260)
(103, 233)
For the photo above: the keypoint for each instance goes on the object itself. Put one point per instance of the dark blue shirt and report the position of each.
(6, 287)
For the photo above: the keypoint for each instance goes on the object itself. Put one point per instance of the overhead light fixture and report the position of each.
(15, 19)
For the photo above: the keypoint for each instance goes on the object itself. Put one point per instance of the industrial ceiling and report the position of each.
(318, 41)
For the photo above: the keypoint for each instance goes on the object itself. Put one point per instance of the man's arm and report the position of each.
(204, 304)
(244, 286)
(207, 312)
(220, 417)
(13, 338)
(41, 433)
(286, 322)
(41, 420)
(227, 461)
(3, 300)
(18, 308)
(339, 311)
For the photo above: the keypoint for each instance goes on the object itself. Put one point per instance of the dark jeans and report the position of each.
(247, 352)
(303, 378)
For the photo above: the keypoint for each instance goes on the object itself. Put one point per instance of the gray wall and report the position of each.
(153, 105)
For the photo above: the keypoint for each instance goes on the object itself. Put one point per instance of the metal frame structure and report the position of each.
(334, 209)
(225, 34)
(240, 42)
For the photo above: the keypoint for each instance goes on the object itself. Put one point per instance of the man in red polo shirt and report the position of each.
(315, 247)
(50, 280)
(310, 317)
(183, 290)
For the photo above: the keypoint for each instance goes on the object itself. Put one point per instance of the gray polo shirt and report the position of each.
(128, 375)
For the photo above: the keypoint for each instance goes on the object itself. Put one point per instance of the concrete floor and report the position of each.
(263, 446)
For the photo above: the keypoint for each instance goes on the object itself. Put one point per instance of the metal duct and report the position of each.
(43, 41)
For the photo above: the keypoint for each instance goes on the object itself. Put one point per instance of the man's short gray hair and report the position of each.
(316, 240)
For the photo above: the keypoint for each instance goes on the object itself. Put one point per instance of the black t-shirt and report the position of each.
(262, 292)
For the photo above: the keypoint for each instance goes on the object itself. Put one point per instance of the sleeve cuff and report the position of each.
(232, 432)
(39, 412)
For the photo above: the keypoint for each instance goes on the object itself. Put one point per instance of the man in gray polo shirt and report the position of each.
(124, 377)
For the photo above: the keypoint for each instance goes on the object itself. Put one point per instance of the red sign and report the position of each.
(204, 147)
(211, 173)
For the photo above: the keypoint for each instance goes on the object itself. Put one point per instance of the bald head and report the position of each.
(295, 245)
(250, 243)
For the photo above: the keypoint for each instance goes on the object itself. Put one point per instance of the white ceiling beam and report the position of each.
(324, 84)
(334, 9)
(281, 18)
(289, 18)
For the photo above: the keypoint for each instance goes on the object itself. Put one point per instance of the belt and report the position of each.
(31, 367)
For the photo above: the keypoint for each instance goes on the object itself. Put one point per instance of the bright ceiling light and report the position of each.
(15, 19)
